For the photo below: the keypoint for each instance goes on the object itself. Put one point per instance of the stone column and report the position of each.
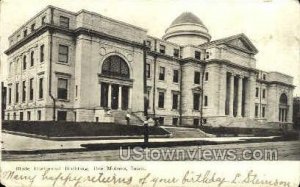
(222, 89)
(120, 98)
(109, 96)
(240, 93)
(251, 95)
(231, 95)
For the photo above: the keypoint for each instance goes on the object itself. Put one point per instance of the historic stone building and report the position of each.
(75, 66)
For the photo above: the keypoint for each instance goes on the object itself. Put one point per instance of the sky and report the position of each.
(272, 25)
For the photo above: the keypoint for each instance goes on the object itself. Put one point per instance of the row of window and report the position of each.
(24, 90)
(257, 93)
(63, 22)
(263, 111)
(63, 56)
(175, 100)
(61, 116)
(162, 72)
(21, 116)
(62, 90)
(264, 77)
(162, 50)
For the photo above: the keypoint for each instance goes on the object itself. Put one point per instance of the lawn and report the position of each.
(72, 129)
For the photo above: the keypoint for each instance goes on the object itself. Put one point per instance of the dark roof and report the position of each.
(187, 17)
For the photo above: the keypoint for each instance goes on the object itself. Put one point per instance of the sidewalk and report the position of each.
(17, 143)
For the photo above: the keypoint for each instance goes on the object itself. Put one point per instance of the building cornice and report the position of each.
(282, 84)
(82, 30)
(229, 63)
(73, 33)
(164, 56)
(35, 34)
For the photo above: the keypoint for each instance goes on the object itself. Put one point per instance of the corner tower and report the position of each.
(187, 29)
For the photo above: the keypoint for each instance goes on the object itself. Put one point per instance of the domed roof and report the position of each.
(187, 17)
(187, 29)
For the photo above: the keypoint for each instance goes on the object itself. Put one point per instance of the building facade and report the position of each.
(76, 66)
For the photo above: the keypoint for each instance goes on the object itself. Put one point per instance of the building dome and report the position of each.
(187, 17)
(187, 29)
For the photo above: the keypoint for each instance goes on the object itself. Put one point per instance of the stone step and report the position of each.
(186, 132)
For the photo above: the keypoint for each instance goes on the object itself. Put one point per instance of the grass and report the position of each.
(71, 129)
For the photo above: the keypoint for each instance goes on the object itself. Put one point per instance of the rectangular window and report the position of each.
(175, 101)
(76, 91)
(32, 27)
(14, 116)
(148, 99)
(196, 77)
(263, 112)
(148, 70)
(161, 73)
(41, 88)
(206, 76)
(43, 20)
(162, 49)
(62, 88)
(24, 91)
(176, 53)
(28, 115)
(32, 58)
(264, 76)
(31, 89)
(17, 93)
(175, 76)
(264, 93)
(64, 22)
(256, 92)
(25, 33)
(39, 115)
(42, 55)
(196, 98)
(175, 121)
(9, 95)
(196, 122)
(24, 62)
(61, 115)
(197, 55)
(21, 116)
(8, 116)
(63, 54)
(205, 100)
(256, 111)
(161, 99)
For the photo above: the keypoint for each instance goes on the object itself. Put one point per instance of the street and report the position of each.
(287, 150)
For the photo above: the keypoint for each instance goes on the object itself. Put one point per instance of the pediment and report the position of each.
(239, 44)
(242, 43)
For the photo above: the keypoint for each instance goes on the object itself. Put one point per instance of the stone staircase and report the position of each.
(183, 132)
(119, 117)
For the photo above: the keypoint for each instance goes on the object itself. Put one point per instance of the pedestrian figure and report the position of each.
(128, 118)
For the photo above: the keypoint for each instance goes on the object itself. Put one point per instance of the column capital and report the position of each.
(241, 76)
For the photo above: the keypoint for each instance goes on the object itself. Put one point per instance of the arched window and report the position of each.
(115, 66)
(283, 108)
(283, 99)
